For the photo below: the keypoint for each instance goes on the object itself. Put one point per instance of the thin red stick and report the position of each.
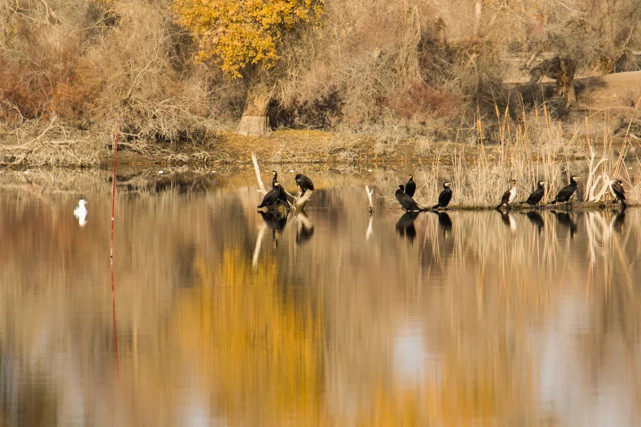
(113, 195)
(111, 253)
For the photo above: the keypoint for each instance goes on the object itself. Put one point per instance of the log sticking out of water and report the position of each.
(369, 197)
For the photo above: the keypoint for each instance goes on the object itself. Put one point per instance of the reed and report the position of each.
(532, 149)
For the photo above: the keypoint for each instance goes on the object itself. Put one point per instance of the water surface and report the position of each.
(220, 317)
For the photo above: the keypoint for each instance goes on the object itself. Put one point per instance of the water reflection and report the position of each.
(445, 222)
(565, 219)
(405, 225)
(536, 219)
(474, 324)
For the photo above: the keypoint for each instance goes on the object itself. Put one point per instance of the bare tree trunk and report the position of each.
(254, 121)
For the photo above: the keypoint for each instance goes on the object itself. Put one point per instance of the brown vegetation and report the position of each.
(380, 67)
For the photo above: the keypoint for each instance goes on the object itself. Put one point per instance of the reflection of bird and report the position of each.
(619, 192)
(536, 219)
(276, 221)
(445, 196)
(410, 187)
(274, 196)
(617, 221)
(566, 220)
(405, 225)
(274, 179)
(305, 228)
(304, 183)
(509, 196)
(566, 192)
(445, 222)
(508, 220)
(406, 201)
(536, 196)
(80, 212)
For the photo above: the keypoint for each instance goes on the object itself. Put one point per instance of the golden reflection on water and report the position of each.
(458, 319)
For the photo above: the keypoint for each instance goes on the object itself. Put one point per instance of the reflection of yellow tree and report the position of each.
(260, 351)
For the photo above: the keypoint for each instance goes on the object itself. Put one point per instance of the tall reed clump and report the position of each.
(529, 150)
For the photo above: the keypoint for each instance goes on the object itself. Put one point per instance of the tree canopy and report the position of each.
(240, 33)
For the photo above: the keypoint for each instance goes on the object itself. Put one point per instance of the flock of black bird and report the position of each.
(278, 197)
(405, 193)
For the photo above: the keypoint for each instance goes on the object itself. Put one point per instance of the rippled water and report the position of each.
(219, 317)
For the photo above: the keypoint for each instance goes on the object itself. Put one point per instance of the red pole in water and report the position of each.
(111, 253)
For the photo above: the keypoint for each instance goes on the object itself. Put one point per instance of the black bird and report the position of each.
(410, 187)
(509, 196)
(274, 179)
(619, 192)
(536, 196)
(405, 225)
(406, 201)
(536, 219)
(445, 196)
(566, 192)
(304, 183)
(273, 196)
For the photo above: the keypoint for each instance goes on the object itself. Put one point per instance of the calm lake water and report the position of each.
(219, 317)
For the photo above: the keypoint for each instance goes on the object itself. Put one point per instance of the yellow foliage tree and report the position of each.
(244, 37)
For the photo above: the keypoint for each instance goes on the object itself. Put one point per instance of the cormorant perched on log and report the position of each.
(566, 192)
(445, 196)
(536, 196)
(410, 187)
(509, 196)
(274, 179)
(619, 192)
(303, 183)
(406, 201)
(274, 196)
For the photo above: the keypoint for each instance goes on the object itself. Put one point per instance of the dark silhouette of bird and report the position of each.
(564, 219)
(274, 196)
(405, 225)
(509, 196)
(619, 192)
(274, 179)
(536, 196)
(406, 201)
(536, 219)
(617, 221)
(563, 196)
(445, 222)
(508, 220)
(410, 186)
(276, 220)
(445, 196)
(304, 183)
